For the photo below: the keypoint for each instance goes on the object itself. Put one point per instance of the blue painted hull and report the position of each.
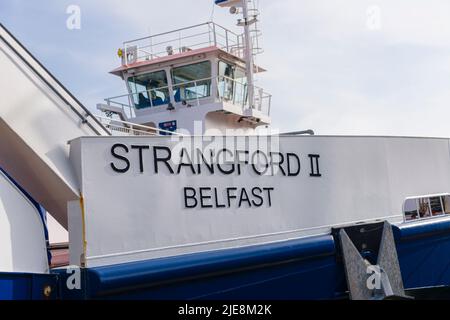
(20, 286)
(299, 269)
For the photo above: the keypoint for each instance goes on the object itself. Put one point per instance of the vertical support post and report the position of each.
(131, 101)
(214, 35)
(270, 105)
(149, 92)
(226, 40)
(196, 93)
(248, 52)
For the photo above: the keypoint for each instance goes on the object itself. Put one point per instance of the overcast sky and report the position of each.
(378, 67)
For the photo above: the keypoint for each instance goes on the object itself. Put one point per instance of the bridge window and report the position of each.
(426, 207)
(232, 83)
(149, 90)
(192, 81)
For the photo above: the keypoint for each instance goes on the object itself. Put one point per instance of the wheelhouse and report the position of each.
(165, 77)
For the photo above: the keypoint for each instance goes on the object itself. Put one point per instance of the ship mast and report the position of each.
(248, 52)
(247, 21)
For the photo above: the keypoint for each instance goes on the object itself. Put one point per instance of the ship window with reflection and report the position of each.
(426, 207)
(232, 83)
(192, 81)
(149, 90)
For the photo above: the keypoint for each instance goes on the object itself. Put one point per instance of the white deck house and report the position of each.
(193, 79)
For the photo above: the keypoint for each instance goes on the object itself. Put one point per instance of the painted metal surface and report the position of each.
(423, 253)
(299, 269)
(127, 219)
(23, 237)
(37, 118)
(26, 286)
(230, 273)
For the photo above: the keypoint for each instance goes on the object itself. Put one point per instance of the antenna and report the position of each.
(249, 19)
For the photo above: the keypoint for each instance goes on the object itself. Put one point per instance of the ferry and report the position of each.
(179, 189)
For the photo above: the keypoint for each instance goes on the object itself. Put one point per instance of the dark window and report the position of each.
(149, 90)
(426, 207)
(436, 206)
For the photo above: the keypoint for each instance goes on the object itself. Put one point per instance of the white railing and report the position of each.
(194, 93)
(236, 92)
(119, 127)
(183, 40)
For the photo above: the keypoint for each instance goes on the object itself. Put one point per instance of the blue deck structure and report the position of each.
(298, 269)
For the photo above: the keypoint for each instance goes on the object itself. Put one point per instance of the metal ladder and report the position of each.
(255, 32)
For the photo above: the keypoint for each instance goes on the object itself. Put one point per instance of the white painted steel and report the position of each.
(136, 216)
(22, 239)
(37, 119)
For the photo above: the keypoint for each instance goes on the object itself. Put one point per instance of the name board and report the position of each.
(157, 159)
(152, 197)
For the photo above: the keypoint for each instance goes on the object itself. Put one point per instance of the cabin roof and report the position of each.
(118, 71)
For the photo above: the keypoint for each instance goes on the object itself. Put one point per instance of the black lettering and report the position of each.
(229, 196)
(190, 197)
(290, 172)
(258, 153)
(278, 164)
(258, 196)
(185, 164)
(315, 169)
(117, 156)
(164, 160)
(238, 156)
(141, 156)
(209, 165)
(244, 198)
(269, 197)
(218, 205)
(204, 197)
(226, 172)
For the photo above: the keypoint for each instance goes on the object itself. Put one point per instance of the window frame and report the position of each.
(174, 86)
(238, 96)
(147, 72)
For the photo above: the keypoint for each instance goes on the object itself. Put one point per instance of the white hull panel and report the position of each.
(134, 215)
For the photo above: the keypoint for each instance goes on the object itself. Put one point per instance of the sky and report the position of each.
(339, 67)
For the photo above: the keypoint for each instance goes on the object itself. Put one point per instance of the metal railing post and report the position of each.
(261, 93)
(209, 32)
(270, 105)
(196, 93)
(130, 102)
(226, 40)
(150, 98)
(217, 87)
(214, 34)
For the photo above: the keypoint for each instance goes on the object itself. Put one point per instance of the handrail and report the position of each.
(49, 79)
(181, 29)
(140, 128)
(153, 46)
(237, 94)
(171, 40)
(144, 91)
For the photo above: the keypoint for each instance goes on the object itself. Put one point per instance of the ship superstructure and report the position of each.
(195, 80)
